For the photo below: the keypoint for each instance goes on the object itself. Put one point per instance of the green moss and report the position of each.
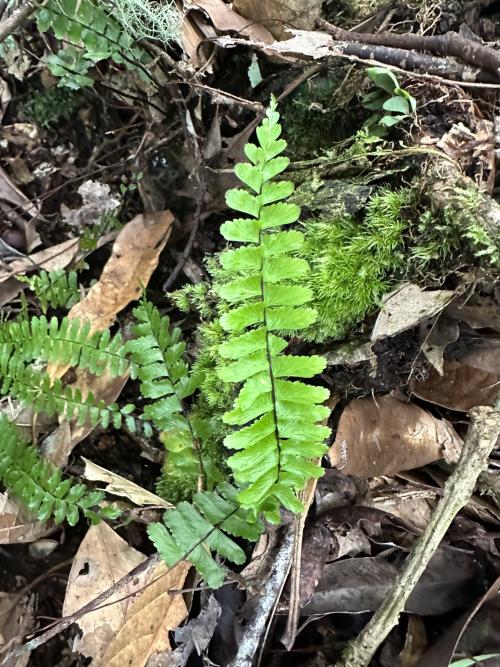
(49, 107)
(353, 263)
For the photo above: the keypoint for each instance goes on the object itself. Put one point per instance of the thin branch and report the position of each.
(480, 441)
(249, 643)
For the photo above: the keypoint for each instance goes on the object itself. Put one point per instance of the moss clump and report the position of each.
(353, 263)
(48, 107)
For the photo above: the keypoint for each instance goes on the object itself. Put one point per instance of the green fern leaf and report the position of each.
(40, 485)
(192, 531)
(279, 436)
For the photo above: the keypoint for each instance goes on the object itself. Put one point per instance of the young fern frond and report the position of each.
(40, 485)
(157, 356)
(54, 289)
(280, 438)
(68, 341)
(189, 528)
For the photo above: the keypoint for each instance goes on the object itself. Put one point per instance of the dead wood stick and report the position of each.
(250, 642)
(17, 18)
(481, 439)
(450, 44)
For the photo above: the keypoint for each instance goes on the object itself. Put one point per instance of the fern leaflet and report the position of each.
(190, 528)
(54, 289)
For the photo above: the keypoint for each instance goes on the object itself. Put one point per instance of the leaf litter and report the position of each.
(402, 383)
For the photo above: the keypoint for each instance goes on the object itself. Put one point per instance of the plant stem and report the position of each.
(17, 18)
(481, 438)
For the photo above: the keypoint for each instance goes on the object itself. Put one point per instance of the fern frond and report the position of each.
(189, 529)
(40, 485)
(66, 342)
(157, 355)
(54, 289)
(35, 388)
(262, 282)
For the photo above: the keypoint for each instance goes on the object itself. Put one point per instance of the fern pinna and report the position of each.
(280, 436)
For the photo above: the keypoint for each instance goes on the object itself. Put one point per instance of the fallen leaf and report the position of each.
(479, 312)
(467, 382)
(16, 620)
(133, 259)
(384, 436)
(119, 486)
(5, 97)
(405, 307)
(278, 15)
(434, 342)
(196, 634)
(17, 526)
(50, 259)
(357, 585)
(225, 19)
(12, 200)
(154, 612)
(103, 558)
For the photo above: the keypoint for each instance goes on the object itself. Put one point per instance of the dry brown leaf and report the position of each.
(383, 436)
(405, 307)
(300, 14)
(224, 19)
(103, 558)
(17, 526)
(50, 259)
(119, 486)
(480, 312)
(133, 259)
(16, 620)
(466, 383)
(151, 616)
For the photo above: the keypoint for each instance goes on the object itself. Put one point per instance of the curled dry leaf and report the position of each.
(471, 381)
(405, 307)
(225, 19)
(479, 312)
(103, 558)
(278, 15)
(196, 634)
(383, 436)
(14, 201)
(155, 611)
(119, 486)
(16, 524)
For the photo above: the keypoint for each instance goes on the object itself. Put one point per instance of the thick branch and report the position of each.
(481, 438)
(17, 18)
(450, 44)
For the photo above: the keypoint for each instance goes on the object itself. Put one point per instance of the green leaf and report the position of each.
(383, 78)
(397, 104)
(241, 200)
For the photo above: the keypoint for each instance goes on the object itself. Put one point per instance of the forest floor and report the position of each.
(115, 157)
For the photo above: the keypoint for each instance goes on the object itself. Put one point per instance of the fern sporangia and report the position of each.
(279, 437)
(157, 358)
(40, 485)
(190, 528)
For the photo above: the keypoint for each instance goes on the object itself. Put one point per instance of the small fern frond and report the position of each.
(54, 289)
(40, 485)
(189, 529)
(68, 342)
(35, 388)
(262, 282)
(157, 356)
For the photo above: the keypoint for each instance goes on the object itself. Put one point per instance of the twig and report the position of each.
(17, 18)
(481, 438)
(250, 641)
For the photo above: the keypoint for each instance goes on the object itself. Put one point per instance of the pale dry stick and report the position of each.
(17, 18)
(480, 441)
(250, 642)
